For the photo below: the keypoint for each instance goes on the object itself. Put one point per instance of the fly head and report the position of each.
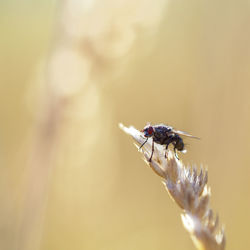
(148, 131)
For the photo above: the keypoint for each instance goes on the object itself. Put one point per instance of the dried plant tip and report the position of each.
(187, 188)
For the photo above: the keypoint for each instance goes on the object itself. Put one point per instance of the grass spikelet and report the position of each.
(188, 188)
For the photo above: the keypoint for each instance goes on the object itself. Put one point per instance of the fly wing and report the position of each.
(185, 134)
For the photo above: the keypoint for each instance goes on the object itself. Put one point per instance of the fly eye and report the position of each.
(150, 130)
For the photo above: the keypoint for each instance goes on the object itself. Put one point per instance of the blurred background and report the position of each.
(70, 71)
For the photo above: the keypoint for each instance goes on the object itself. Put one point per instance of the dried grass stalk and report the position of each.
(188, 189)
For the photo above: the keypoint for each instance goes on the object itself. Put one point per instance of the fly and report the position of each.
(165, 135)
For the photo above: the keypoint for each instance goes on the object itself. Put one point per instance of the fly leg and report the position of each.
(166, 151)
(175, 153)
(167, 142)
(152, 151)
(143, 143)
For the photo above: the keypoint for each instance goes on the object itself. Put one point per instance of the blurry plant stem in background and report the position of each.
(90, 39)
(40, 166)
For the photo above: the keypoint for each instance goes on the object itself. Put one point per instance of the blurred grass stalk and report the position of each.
(40, 166)
(188, 189)
(90, 37)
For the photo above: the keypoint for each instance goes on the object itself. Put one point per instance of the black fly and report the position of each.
(165, 135)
